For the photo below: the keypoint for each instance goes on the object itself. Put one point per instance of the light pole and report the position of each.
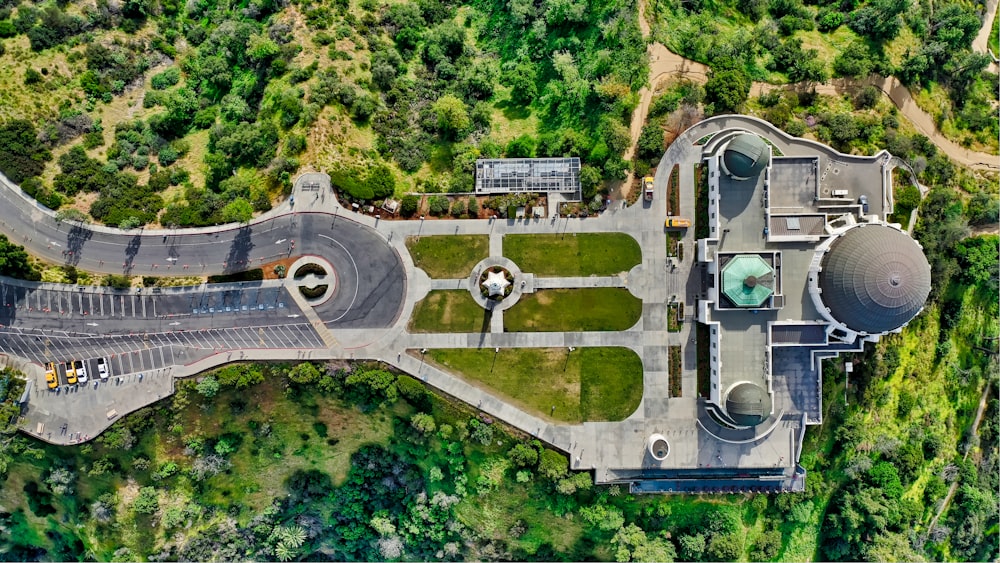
(566, 365)
(496, 352)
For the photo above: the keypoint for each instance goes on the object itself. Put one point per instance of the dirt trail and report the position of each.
(901, 97)
(664, 64)
(978, 230)
(954, 485)
(982, 41)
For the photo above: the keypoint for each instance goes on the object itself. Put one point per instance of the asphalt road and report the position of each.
(368, 293)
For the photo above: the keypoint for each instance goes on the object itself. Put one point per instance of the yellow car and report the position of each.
(677, 223)
(70, 373)
(50, 375)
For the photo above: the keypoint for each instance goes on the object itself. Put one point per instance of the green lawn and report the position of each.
(448, 311)
(585, 309)
(587, 384)
(448, 256)
(584, 254)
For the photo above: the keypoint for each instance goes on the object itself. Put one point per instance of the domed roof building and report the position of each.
(748, 404)
(873, 279)
(745, 156)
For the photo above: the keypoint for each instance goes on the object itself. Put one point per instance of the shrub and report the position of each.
(523, 455)
(166, 79)
(437, 205)
(117, 282)
(409, 205)
(553, 464)
(208, 386)
(32, 76)
(147, 502)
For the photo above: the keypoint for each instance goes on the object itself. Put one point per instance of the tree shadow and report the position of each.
(239, 251)
(75, 239)
(513, 111)
(131, 251)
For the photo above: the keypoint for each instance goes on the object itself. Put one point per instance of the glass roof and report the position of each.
(747, 280)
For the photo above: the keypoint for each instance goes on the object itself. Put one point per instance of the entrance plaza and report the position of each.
(798, 265)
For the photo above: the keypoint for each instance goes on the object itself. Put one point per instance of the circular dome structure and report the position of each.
(874, 279)
(748, 404)
(746, 156)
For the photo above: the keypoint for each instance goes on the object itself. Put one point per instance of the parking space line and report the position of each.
(274, 343)
(217, 337)
(246, 335)
(290, 339)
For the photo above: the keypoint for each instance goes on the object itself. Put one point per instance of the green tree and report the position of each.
(208, 386)
(978, 258)
(521, 147)
(22, 155)
(452, 116)
(553, 464)
(147, 502)
(409, 205)
(727, 90)
(382, 181)
(14, 261)
(240, 376)
(633, 544)
(523, 455)
(237, 211)
(603, 516)
(692, 547)
(522, 80)
(423, 423)
(304, 373)
(372, 386)
(590, 181)
(651, 140)
(878, 20)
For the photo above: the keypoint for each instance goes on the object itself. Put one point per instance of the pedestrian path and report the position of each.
(313, 318)
(580, 282)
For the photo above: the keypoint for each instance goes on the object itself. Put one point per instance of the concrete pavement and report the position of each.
(369, 322)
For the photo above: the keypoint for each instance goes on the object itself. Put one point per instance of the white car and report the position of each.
(102, 368)
(81, 371)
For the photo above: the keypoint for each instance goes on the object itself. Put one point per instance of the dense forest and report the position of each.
(927, 45)
(237, 97)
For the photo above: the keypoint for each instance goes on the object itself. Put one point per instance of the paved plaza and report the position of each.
(169, 333)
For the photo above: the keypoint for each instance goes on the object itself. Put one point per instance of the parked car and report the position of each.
(50, 375)
(70, 373)
(81, 371)
(102, 368)
(677, 223)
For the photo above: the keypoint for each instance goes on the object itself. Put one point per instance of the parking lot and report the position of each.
(138, 352)
(100, 302)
